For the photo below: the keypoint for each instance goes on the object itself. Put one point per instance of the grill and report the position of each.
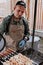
(7, 55)
(36, 57)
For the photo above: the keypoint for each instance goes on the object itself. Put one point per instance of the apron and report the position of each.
(16, 32)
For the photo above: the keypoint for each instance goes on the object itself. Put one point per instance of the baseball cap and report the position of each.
(22, 3)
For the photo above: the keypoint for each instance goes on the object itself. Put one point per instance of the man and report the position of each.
(15, 26)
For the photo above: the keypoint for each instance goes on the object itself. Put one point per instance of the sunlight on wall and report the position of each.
(2, 1)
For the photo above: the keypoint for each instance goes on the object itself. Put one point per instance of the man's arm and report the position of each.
(2, 26)
(26, 31)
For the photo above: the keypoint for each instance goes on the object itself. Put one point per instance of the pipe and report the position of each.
(34, 23)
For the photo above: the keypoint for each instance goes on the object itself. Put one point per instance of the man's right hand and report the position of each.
(22, 43)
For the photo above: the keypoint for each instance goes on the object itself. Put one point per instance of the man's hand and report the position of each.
(22, 43)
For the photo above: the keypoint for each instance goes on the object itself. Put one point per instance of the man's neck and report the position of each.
(16, 19)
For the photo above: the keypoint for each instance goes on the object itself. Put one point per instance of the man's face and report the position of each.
(18, 11)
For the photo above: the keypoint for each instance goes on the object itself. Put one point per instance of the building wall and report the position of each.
(5, 8)
(39, 17)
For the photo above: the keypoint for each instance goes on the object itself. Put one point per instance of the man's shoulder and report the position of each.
(24, 20)
(8, 17)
